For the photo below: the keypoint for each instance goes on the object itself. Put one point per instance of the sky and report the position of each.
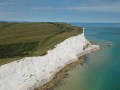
(60, 10)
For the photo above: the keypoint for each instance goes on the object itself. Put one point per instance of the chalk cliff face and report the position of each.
(30, 72)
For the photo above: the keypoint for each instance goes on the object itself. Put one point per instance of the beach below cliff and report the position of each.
(60, 75)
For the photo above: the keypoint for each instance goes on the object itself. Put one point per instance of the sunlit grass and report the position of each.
(32, 39)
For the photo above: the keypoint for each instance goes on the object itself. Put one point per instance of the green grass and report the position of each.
(31, 39)
(17, 49)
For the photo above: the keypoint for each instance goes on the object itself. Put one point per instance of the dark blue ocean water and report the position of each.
(102, 70)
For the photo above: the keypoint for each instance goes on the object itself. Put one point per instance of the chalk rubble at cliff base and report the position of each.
(29, 72)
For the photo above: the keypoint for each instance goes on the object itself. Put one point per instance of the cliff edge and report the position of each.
(30, 72)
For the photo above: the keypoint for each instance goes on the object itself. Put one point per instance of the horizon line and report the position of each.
(58, 21)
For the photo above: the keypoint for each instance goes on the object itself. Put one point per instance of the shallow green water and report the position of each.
(102, 69)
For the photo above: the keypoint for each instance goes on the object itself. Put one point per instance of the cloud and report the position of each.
(86, 5)
(2, 1)
(42, 8)
(115, 7)
(66, 1)
(49, 8)
(6, 4)
(99, 8)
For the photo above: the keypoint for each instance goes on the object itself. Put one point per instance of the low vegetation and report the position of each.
(17, 49)
(18, 40)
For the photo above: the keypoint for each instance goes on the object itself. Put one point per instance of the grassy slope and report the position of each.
(31, 39)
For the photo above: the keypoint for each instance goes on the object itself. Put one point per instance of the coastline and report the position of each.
(62, 73)
(32, 72)
(59, 76)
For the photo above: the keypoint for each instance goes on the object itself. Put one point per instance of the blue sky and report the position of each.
(60, 10)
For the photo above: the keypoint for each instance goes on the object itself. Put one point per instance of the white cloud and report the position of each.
(6, 4)
(66, 1)
(103, 8)
(86, 7)
(42, 8)
(49, 8)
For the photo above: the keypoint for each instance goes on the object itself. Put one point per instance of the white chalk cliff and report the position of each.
(29, 72)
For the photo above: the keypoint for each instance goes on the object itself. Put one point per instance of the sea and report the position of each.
(101, 69)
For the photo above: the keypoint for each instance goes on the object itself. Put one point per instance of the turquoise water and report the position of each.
(102, 70)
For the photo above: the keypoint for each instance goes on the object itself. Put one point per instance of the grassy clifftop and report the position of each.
(31, 39)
